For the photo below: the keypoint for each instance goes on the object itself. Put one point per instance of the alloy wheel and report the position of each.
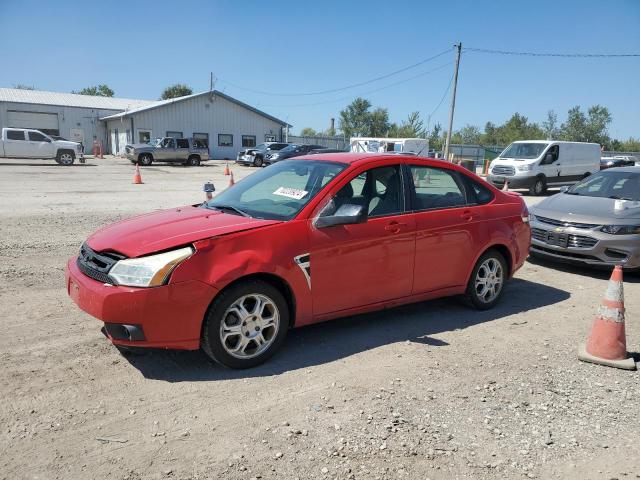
(249, 326)
(489, 280)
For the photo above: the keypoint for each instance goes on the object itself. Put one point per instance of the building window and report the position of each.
(174, 134)
(225, 140)
(248, 140)
(144, 136)
(203, 137)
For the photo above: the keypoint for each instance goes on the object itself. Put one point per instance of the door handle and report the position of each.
(468, 215)
(394, 227)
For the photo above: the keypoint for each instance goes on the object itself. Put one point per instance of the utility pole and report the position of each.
(211, 82)
(453, 102)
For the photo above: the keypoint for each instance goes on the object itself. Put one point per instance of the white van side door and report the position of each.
(551, 164)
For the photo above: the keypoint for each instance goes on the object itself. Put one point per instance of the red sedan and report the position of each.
(302, 241)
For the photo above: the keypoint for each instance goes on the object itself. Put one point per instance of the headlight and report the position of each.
(524, 168)
(151, 271)
(274, 155)
(532, 217)
(621, 229)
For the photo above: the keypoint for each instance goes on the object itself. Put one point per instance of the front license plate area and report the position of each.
(557, 239)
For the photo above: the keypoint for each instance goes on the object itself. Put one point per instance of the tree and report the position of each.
(469, 134)
(550, 126)
(355, 118)
(22, 86)
(435, 137)
(412, 127)
(175, 91)
(98, 91)
(308, 132)
(587, 128)
(379, 123)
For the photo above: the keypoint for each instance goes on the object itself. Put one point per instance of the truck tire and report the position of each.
(539, 186)
(65, 157)
(145, 159)
(193, 161)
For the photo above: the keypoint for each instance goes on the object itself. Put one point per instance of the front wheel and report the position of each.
(245, 325)
(145, 160)
(65, 158)
(487, 280)
(257, 161)
(538, 187)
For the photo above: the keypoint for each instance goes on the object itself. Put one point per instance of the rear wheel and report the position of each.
(538, 187)
(65, 157)
(245, 325)
(487, 280)
(193, 161)
(145, 159)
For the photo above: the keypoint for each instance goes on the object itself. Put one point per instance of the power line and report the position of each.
(333, 90)
(362, 93)
(444, 95)
(546, 54)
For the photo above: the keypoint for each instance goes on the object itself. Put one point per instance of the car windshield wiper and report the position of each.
(229, 208)
(571, 193)
(616, 197)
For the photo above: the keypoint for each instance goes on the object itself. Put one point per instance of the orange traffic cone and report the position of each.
(607, 344)
(505, 188)
(137, 178)
(226, 169)
(231, 181)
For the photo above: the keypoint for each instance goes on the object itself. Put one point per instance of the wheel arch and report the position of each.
(276, 281)
(501, 248)
(145, 153)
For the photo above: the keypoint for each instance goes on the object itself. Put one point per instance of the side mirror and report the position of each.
(345, 215)
(47, 140)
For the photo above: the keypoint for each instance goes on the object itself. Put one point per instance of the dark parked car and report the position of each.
(255, 155)
(327, 150)
(293, 150)
(611, 162)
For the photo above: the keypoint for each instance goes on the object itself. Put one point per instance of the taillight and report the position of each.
(525, 213)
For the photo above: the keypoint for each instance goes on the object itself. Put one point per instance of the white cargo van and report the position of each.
(416, 146)
(538, 164)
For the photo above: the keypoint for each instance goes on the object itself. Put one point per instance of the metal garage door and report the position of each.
(46, 122)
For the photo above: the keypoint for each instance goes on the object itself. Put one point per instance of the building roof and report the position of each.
(162, 103)
(17, 95)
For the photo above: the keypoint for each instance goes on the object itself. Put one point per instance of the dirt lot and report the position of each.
(432, 390)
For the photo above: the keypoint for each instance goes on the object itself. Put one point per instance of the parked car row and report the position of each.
(272, 152)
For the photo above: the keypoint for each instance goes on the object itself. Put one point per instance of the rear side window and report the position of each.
(15, 135)
(481, 193)
(436, 188)
(182, 143)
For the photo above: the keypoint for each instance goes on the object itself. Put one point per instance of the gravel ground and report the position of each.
(432, 390)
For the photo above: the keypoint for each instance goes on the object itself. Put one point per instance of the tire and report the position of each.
(258, 161)
(224, 317)
(490, 263)
(145, 159)
(193, 161)
(65, 157)
(539, 187)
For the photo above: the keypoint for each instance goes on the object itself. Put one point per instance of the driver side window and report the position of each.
(551, 155)
(379, 190)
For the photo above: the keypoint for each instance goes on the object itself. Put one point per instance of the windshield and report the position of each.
(522, 151)
(260, 146)
(609, 184)
(278, 192)
(289, 148)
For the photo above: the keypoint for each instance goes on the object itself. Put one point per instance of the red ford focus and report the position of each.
(302, 241)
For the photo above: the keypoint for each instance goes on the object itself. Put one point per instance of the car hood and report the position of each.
(583, 209)
(139, 146)
(66, 143)
(164, 229)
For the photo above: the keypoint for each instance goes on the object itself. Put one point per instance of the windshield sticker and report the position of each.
(290, 192)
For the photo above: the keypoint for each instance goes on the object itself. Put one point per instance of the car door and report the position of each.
(449, 226)
(182, 150)
(15, 144)
(551, 165)
(40, 146)
(167, 149)
(366, 263)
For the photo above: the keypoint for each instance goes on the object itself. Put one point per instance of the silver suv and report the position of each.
(188, 151)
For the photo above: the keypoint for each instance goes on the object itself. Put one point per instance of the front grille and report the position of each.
(578, 241)
(97, 265)
(561, 253)
(562, 223)
(505, 170)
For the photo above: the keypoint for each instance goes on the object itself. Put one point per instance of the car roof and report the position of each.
(350, 158)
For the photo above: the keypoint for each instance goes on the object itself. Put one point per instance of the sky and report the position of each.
(285, 49)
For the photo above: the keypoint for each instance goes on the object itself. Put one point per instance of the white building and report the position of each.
(227, 124)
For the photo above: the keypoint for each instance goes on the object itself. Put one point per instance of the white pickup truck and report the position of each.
(27, 143)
